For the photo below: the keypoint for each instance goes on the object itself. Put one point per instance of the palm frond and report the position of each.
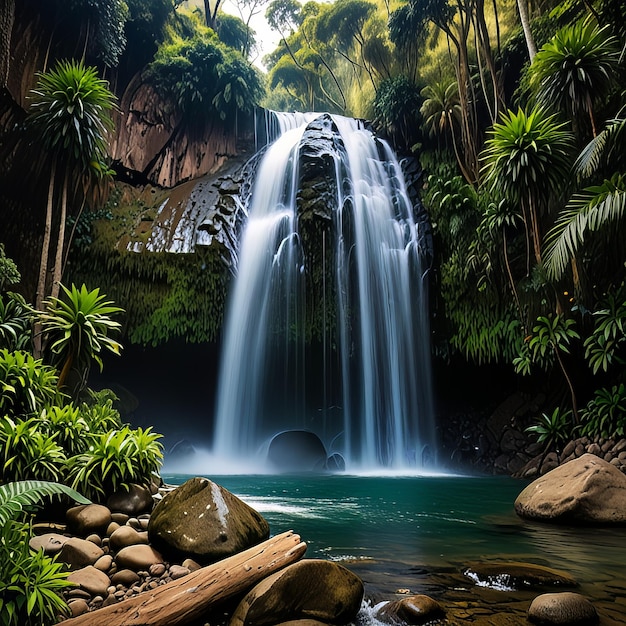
(592, 210)
(600, 149)
(22, 495)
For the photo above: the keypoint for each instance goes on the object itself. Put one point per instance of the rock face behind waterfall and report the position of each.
(205, 522)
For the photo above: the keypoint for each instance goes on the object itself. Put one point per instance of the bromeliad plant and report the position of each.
(553, 429)
(77, 328)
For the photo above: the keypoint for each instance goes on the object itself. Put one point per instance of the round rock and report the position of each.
(587, 490)
(132, 501)
(562, 609)
(50, 543)
(309, 589)
(137, 558)
(78, 553)
(87, 519)
(126, 536)
(417, 610)
(205, 522)
(91, 580)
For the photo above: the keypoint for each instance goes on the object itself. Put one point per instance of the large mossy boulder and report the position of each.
(585, 491)
(205, 522)
(310, 589)
(562, 609)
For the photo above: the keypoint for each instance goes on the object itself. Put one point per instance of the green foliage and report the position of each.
(9, 274)
(605, 414)
(441, 108)
(233, 32)
(602, 346)
(99, 414)
(71, 111)
(78, 328)
(26, 383)
(553, 429)
(17, 497)
(29, 582)
(15, 322)
(116, 459)
(28, 453)
(397, 107)
(68, 427)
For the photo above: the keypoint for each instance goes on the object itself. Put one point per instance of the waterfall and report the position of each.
(366, 390)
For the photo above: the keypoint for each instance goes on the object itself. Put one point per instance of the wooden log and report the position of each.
(188, 598)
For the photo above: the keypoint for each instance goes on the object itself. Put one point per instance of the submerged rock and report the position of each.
(511, 576)
(205, 522)
(415, 610)
(587, 490)
(567, 609)
(310, 589)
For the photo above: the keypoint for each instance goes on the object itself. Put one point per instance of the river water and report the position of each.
(418, 533)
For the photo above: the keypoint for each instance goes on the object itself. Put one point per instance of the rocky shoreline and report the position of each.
(115, 561)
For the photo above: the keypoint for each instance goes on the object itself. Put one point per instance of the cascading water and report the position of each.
(368, 395)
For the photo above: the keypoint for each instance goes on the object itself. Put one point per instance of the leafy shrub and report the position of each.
(68, 426)
(100, 416)
(26, 452)
(553, 429)
(116, 459)
(15, 322)
(605, 414)
(26, 384)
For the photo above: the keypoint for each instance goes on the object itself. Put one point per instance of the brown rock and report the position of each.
(119, 518)
(191, 565)
(178, 571)
(418, 609)
(205, 522)
(594, 449)
(91, 580)
(87, 519)
(587, 490)
(104, 563)
(78, 553)
(125, 577)
(139, 557)
(567, 609)
(78, 607)
(126, 536)
(50, 543)
(310, 589)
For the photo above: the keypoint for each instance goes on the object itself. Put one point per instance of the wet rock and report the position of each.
(78, 553)
(509, 576)
(296, 450)
(418, 609)
(203, 521)
(87, 519)
(137, 558)
(567, 609)
(91, 580)
(50, 543)
(587, 490)
(309, 589)
(132, 501)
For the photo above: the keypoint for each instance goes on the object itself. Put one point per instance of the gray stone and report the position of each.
(309, 589)
(91, 580)
(562, 609)
(417, 609)
(587, 490)
(203, 521)
(87, 519)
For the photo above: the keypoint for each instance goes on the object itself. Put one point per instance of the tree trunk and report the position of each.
(187, 599)
(7, 17)
(58, 259)
(522, 6)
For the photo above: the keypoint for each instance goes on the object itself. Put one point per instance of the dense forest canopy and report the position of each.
(515, 109)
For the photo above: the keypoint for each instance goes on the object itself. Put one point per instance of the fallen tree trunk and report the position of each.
(188, 598)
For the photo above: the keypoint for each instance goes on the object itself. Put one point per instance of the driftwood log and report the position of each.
(188, 598)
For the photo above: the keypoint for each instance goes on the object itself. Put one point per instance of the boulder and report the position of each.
(78, 553)
(125, 577)
(516, 575)
(86, 519)
(567, 609)
(296, 450)
(137, 558)
(203, 521)
(91, 580)
(418, 609)
(587, 490)
(132, 501)
(310, 589)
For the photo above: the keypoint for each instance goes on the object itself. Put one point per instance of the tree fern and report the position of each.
(19, 496)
